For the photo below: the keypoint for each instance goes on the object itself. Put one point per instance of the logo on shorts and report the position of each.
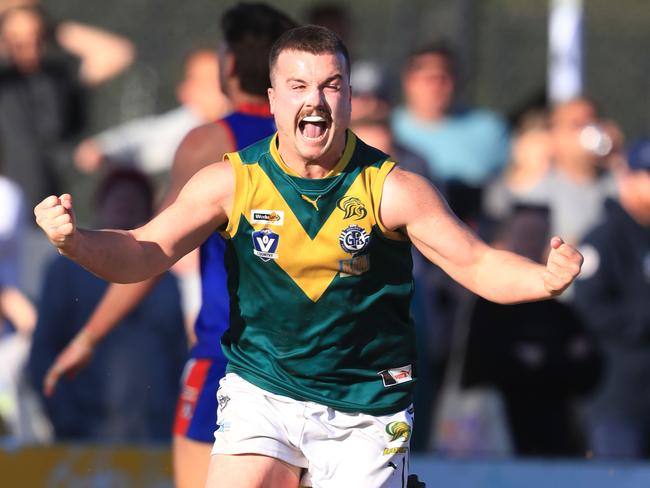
(395, 376)
(354, 239)
(352, 207)
(265, 243)
(223, 401)
(399, 430)
(270, 217)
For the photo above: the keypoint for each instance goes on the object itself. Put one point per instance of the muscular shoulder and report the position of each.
(215, 176)
(212, 185)
(407, 195)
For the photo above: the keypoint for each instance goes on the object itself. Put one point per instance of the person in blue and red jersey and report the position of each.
(249, 31)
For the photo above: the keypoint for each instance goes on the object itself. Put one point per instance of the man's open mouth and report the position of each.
(313, 127)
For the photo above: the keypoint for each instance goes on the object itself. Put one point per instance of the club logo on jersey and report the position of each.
(352, 207)
(399, 430)
(354, 239)
(265, 243)
(395, 376)
(270, 217)
(355, 266)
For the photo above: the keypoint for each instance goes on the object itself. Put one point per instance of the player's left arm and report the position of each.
(410, 204)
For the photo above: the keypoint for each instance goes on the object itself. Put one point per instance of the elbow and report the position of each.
(97, 71)
(124, 56)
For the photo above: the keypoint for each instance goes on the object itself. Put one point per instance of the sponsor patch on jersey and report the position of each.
(352, 207)
(395, 376)
(398, 431)
(269, 217)
(354, 239)
(355, 266)
(224, 427)
(265, 244)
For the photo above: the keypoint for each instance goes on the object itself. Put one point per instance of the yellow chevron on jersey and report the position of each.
(312, 261)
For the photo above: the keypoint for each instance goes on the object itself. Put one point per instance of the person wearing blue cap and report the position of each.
(613, 294)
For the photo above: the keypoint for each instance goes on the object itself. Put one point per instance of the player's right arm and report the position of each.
(201, 146)
(119, 256)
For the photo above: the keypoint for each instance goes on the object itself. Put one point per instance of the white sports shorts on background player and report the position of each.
(336, 449)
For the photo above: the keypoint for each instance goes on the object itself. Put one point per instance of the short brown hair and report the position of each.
(313, 39)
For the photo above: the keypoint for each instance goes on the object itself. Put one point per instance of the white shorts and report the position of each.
(334, 448)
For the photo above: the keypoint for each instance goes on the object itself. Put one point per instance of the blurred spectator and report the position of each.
(18, 406)
(539, 355)
(16, 308)
(12, 227)
(578, 183)
(369, 92)
(41, 95)
(42, 107)
(7, 4)
(20, 409)
(613, 295)
(333, 15)
(150, 143)
(531, 158)
(377, 133)
(459, 144)
(128, 392)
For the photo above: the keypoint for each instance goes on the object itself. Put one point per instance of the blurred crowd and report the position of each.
(558, 378)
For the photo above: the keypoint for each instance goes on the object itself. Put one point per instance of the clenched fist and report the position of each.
(55, 216)
(563, 265)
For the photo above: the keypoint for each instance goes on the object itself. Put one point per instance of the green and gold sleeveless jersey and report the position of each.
(319, 289)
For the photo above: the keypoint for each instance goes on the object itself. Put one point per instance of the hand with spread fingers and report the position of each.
(55, 216)
(69, 362)
(563, 266)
